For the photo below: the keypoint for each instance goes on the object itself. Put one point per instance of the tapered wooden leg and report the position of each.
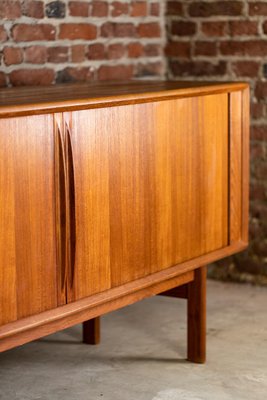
(91, 331)
(196, 317)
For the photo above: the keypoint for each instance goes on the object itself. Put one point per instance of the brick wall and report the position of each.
(227, 40)
(45, 42)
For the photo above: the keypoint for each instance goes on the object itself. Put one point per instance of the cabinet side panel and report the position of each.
(245, 162)
(235, 166)
(30, 154)
(8, 300)
(89, 137)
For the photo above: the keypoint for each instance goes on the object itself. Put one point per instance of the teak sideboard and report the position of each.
(110, 193)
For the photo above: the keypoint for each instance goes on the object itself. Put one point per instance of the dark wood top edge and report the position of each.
(50, 99)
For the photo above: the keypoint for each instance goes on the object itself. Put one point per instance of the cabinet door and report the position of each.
(28, 283)
(151, 188)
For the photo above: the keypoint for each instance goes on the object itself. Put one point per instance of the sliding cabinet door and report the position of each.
(151, 188)
(28, 281)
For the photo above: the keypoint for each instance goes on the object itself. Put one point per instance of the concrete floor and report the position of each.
(141, 356)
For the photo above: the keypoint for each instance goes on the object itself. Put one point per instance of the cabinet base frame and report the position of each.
(195, 294)
(27, 329)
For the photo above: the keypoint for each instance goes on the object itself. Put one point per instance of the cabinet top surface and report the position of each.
(58, 98)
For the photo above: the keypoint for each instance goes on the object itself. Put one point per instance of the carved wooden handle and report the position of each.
(71, 240)
(61, 204)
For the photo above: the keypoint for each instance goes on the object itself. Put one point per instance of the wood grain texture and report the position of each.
(61, 207)
(235, 166)
(196, 317)
(28, 282)
(150, 192)
(59, 98)
(191, 177)
(245, 163)
(89, 140)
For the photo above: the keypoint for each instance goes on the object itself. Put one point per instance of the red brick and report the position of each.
(96, 51)
(208, 9)
(99, 9)
(57, 54)
(138, 9)
(174, 8)
(3, 82)
(3, 34)
(260, 171)
(119, 8)
(261, 90)
(152, 50)
(257, 110)
(135, 50)
(178, 49)
(183, 28)
(34, 77)
(124, 30)
(155, 9)
(149, 69)
(78, 53)
(205, 48)
(149, 29)
(257, 192)
(35, 54)
(242, 28)
(258, 8)
(246, 68)
(264, 25)
(30, 33)
(241, 48)
(72, 74)
(259, 132)
(118, 72)
(13, 55)
(78, 8)
(198, 68)
(10, 9)
(116, 51)
(257, 151)
(33, 9)
(214, 28)
(77, 31)
(107, 29)
(111, 29)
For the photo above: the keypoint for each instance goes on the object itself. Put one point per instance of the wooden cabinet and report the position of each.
(111, 193)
